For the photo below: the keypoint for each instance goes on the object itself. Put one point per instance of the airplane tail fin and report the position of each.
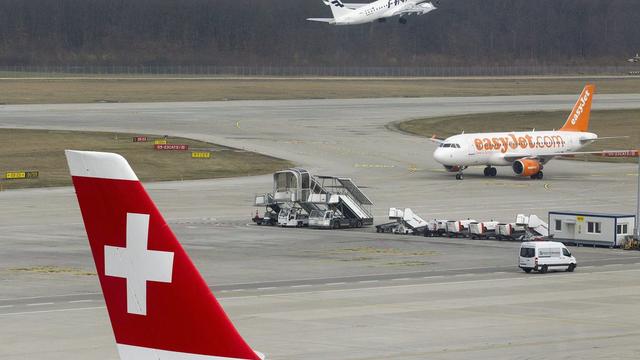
(338, 9)
(579, 118)
(159, 305)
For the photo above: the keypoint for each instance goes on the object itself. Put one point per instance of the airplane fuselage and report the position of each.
(382, 9)
(503, 148)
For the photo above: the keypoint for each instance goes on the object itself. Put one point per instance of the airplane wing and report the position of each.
(419, 9)
(436, 140)
(603, 138)
(326, 20)
(603, 153)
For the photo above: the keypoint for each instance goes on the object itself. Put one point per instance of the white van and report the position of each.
(543, 256)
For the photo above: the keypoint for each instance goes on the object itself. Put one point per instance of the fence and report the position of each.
(311, 71)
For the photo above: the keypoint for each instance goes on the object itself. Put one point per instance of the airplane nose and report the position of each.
(439, 155)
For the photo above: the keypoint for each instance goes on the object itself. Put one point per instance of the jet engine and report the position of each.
(527, 167)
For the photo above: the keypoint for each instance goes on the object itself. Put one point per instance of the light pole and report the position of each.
(637, 232)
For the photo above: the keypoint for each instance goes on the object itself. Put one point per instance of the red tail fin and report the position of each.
(159, 305)
(579, 118)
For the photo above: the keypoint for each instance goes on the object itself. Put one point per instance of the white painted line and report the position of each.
(402, 279)
(80, 301)
(434, 277)
(267, 288)
(300, 286)
(51, 311)
(336, 283)
(5, 306)
(368, 281)
(235, 290)
(50, 296)
(41, 304)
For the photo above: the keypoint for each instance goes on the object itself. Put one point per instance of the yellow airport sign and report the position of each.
(580, 218)
(19, 175)
(200, 155)
(160, 142)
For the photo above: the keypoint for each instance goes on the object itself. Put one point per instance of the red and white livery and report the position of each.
(159, 305)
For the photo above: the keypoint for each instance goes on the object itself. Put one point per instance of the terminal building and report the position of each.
(589, 228)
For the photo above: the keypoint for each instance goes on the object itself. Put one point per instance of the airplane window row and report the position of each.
(457, 146)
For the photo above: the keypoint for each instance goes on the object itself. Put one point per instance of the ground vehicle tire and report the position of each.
(571, 267)
(527, 270)
(544, 269)
(359, 224)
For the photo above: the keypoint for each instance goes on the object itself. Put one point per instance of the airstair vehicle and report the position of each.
(272, 209)
(293, 217)
(336, 199)
(535, 228)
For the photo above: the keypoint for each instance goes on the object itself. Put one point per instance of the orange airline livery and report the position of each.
(526, 152)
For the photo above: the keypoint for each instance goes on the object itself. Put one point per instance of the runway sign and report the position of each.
(621, 153)
(140, 139)
(160, 142)
(20, 175)
(200, 155)
(174, 147)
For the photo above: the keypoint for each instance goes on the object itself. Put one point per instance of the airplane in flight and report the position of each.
(159, 305)
(354, 14)
(525, 152)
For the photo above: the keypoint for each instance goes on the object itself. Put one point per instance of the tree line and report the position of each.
(275, 33)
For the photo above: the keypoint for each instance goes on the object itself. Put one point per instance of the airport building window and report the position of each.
(559, 225)
(593, 227)
(622, 229)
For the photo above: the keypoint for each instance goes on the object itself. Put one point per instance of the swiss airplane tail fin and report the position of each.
(579, 118)
(338, 9)
(159, 305)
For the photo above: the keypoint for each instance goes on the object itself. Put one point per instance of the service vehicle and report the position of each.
(331, 219)
(542, 256)
(293, 217)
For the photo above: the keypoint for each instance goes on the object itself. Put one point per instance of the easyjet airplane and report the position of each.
(159, 305)
(526, 152)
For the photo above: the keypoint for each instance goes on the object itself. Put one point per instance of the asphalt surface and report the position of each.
(350, 294)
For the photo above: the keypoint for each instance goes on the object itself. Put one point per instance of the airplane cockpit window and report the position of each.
(447, 145)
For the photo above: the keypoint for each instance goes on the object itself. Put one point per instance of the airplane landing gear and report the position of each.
(538, 176)
(459, 176)
(490, 171)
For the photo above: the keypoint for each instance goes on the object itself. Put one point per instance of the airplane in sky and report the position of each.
(526, 152)
(354, 14)
(159, 305)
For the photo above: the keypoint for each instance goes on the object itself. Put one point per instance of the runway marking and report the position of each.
(368, 281)
(237, 290)
(41, 304)
(80, 301)
(50, 296)
(547, 186)
(519, 277)
(5, 306)
(401, 279)
(267, 288)
(238, 124)
(301, 286)
(335, 283)
(52, 311)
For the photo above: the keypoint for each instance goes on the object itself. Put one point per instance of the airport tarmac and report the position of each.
(299, 293)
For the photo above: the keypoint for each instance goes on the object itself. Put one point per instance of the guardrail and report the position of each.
(317, 71)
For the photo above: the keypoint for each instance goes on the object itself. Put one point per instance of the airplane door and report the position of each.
(471, 148)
